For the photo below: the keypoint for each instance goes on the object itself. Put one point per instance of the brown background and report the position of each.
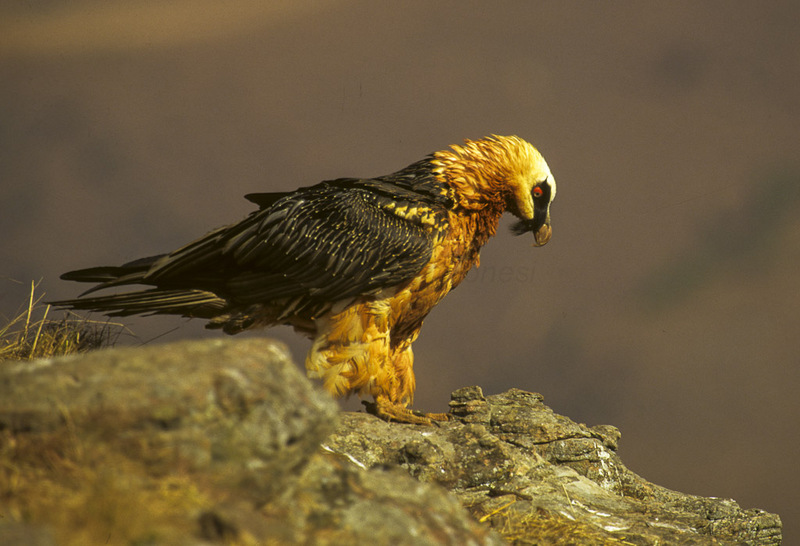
(667, 302)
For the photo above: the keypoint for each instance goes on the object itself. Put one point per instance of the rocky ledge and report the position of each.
(225, 442)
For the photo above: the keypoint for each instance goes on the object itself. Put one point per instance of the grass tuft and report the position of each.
(33, 334)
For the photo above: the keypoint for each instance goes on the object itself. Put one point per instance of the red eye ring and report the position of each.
(538, 192)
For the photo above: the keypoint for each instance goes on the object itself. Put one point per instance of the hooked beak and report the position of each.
(543, 234)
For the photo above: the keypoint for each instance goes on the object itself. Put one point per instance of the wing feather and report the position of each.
(302, 251)
(325, 242)
(328, 243)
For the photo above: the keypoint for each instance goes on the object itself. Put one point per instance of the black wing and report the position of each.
(329, 242)
(333, 241)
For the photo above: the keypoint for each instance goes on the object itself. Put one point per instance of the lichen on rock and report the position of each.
(225, 441)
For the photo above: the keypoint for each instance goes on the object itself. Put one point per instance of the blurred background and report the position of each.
(667, 302)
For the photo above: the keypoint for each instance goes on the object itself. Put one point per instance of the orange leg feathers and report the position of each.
(355, 354)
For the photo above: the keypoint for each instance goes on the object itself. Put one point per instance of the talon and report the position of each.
(391, 411)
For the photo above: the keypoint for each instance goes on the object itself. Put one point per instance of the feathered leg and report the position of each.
(392, 405)
(352, 353)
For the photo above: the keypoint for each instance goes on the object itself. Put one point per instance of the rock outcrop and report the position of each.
(225, 442)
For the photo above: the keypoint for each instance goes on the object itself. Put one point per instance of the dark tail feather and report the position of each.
(110, 276)
(189, 303)
(152, 301)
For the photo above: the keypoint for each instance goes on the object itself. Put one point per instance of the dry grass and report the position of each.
(532, 526)
(541, 527)
(32, 333)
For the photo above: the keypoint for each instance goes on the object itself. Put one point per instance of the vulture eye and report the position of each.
(537, 191)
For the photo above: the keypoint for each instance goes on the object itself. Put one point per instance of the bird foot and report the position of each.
(391, 411)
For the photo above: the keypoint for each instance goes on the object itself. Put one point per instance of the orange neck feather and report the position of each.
(479, 170)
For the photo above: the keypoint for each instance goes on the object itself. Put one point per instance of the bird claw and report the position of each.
(390, 411)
